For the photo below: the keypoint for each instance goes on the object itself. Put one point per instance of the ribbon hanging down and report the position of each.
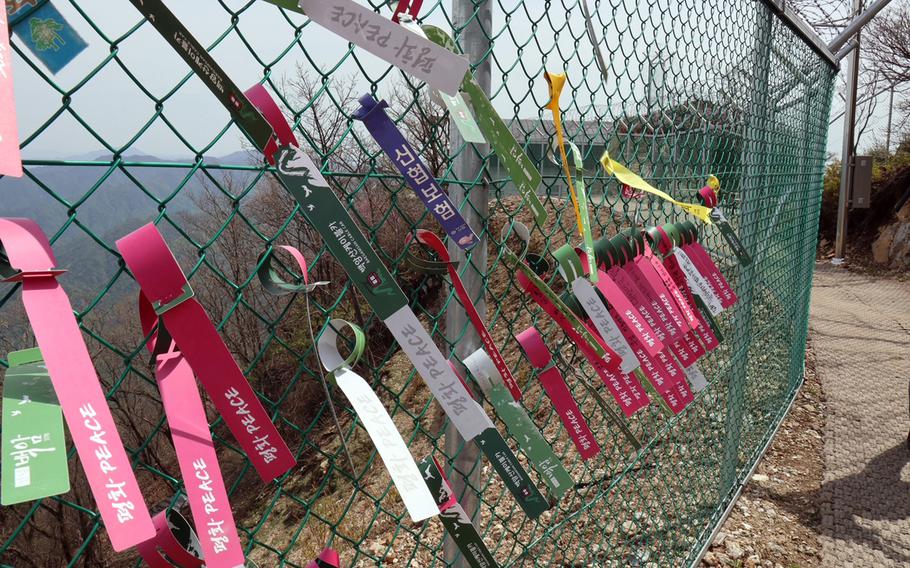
(440, 68)
(415, 172)
(556, 388)
(376, 420)
(454, 519)
(274, 284)
(666, 299)
(455, 104)
(10, 155)
(631, 179)
(709, 196)
(626, 390)
(687, 236)
(556, 82)
(520, 168)
(519, 424)
(162, 281)
(204, 485)
(629, 278)
(661, 368)
(27, 258)
(33, 450)
(665, 248)
(445, 265)
(570, 267)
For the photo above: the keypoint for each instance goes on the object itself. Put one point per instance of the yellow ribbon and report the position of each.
(556, 81)
(630, 178)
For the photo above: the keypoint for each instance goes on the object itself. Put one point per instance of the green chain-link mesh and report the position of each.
(693, 88)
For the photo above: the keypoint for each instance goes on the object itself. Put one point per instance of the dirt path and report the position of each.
(860, 326)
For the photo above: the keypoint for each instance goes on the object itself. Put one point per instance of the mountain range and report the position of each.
(91, 205)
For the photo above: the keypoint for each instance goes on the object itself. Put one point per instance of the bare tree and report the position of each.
(889, 44)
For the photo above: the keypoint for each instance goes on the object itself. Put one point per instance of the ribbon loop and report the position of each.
(274, 284)
(327, 345)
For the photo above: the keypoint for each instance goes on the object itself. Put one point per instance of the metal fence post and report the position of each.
(848, 148)
(472, 20)
(754, 164)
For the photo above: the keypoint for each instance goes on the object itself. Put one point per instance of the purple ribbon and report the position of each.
(419, 177)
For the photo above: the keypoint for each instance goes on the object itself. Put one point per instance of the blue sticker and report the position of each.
(47, 33)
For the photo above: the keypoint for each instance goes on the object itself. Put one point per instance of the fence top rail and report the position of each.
(800, 27)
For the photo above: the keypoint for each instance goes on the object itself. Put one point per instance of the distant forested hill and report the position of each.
(97, 205)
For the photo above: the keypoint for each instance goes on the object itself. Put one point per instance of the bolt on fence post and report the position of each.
(472, 20)
(754, 160)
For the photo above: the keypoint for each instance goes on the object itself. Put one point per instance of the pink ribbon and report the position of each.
(680, 300)
(624, 312)
(627, 391)
(712, 273)
(101, 452)
(164, 284)
(10, 156)
(205, 489)
(555, 386)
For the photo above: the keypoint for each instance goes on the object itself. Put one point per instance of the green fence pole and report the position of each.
(753, 160)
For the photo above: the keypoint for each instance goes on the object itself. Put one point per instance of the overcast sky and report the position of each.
(117, 109)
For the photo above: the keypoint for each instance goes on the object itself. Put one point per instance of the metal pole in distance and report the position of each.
(754, 160)
(472, 20)
(848, 147)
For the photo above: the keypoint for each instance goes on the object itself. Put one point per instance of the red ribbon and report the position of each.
(403, 6)
(430, 239)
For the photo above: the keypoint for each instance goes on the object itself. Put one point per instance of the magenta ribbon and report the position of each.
(703, 330)
(101, 453)
(162, 281)
(556, 388)
(635, 328)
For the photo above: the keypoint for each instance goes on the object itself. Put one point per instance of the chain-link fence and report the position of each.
(691, 89)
